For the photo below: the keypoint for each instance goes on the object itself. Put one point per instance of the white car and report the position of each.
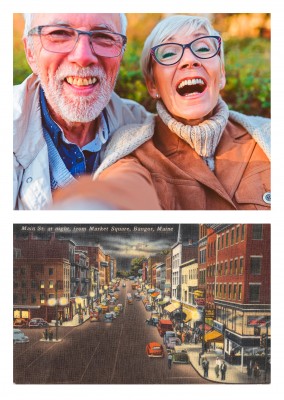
(19, 336)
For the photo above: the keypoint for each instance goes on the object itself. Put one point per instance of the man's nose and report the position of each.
(189, 59)
(82, 54)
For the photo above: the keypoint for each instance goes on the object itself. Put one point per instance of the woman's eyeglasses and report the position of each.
(171, 53)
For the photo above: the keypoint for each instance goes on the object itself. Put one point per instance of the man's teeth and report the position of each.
(191, 82)
(81, 81)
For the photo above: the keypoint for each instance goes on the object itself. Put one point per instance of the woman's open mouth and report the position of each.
(188, 87)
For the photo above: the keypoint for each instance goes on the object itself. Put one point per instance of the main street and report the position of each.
(99, 353)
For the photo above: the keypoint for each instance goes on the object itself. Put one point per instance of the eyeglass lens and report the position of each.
(63, 40)
(171, 53)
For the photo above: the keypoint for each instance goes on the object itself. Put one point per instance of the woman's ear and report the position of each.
(151, 86)
(30, 55)
(222, 82)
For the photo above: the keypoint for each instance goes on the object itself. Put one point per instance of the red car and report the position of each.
(154, 349)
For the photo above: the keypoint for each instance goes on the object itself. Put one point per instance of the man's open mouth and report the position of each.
(78, 81)
(191, 86)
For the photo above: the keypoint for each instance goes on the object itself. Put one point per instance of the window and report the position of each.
(237, 234)
(42, 284)
(231, 267)
(240, 292)
(243, 232)
(230, 291)
(33, 284)
(50, 285)
(226, 268)
(236, 266)
(42, 298)
(227, 239)
(257, 231)
(225, 290)
(241, 266)
(24, 284)
(232, 237)
(50, 271)
(254, 293)
(235, 291)
(255, 265)
(222, 241)
(33, 298)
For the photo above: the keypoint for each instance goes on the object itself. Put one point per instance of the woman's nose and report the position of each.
(82, 54)
(189, 60)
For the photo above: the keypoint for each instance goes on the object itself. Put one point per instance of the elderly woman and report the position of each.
(196, 153)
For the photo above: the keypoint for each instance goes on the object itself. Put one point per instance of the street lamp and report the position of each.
(62, 301)
(78, 301)
(92, 295)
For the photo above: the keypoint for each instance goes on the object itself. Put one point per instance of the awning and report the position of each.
(171, 307)
(163, 302)
(214, 336)
(155, 294)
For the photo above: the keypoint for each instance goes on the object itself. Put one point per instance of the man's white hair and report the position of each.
(168, 27)
(29, 18)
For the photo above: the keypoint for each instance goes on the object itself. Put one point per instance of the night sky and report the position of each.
(121, 241)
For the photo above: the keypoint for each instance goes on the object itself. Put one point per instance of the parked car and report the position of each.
(108, 317)
(152, 321)
(165, 325)
(167, 335)
(154, 349)
(20, 323)
(19, 336)
(180, 357)
(148, 307)
(172, 342)
(38, 323)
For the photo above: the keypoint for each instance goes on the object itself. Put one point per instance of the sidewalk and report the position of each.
(234, 373)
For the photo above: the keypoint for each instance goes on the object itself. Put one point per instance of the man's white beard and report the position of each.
(79, 108)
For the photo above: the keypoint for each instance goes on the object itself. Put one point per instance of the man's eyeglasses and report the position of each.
(171, 53)
(62, 39)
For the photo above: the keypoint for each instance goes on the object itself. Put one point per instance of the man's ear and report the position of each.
(30, 56)
(151, 86)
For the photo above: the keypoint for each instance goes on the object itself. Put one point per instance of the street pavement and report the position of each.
(235, 374)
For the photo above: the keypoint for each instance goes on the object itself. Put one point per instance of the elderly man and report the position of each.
(65, 112)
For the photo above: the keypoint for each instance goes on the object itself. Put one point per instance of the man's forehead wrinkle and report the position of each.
(94, 27)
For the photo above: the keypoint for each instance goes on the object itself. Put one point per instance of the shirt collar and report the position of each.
(54, 130)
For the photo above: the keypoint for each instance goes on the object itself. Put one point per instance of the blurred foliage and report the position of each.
(247, 63)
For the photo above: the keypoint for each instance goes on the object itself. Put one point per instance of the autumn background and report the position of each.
(247, 59)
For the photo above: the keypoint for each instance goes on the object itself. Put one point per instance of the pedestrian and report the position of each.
(217, 367)
(256, 370)
(50, 335)
(170, 360)
(250, 367)
(183, 337)
(46, 334)
(223, 370)
(205, 366)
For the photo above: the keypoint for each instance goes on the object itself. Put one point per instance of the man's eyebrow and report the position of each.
(101, 27)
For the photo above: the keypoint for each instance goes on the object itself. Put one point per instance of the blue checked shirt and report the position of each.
(77, 160)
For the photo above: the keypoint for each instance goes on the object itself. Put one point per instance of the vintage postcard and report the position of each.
(141, 304)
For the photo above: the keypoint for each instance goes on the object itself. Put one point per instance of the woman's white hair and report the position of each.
(29, 18)
(168, 27)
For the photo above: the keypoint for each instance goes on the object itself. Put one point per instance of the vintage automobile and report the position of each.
(108, 317)
(38, 323)
(154, 349)
(148, 307)
(165, 325)
(180, 356)
(19, 336)
(20, 323)
(172, 342)
(152, 321)
(167, 335)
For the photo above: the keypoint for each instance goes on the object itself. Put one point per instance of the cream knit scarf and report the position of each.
(203, 138)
